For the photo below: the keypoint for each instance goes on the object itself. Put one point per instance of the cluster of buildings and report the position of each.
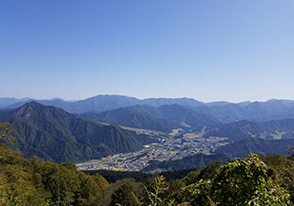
(173, 148)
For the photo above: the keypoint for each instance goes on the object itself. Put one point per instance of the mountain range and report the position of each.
(60, 131)
(245, 146)
(272, 130)
(222, 111)
(100, 103)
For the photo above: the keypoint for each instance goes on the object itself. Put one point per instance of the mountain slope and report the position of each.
(190, 162)
(249, 145)
(164, 118)
(157, 102)
(253, 111)
(277, 129)
(145, 117)
(56, 135)
(186, 116)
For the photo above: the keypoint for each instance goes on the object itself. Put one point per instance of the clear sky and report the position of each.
(209, 50)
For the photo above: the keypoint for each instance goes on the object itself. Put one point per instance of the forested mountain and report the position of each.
(56, 135)
(163, 118)
(194, 161)
(276, 129)
(186, 116)
(246, 146)
(139, 116)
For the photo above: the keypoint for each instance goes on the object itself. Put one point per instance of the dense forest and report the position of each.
(253, 180)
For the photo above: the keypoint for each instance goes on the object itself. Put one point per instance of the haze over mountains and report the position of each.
(102, 103)
(75, 131)
(222, 111)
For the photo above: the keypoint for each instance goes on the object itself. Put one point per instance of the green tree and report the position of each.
(34, 182)
(6, 133)
(247, 181)
(101, 181)
(156, 187)
(283, 169)
(16, 183)
(125, 195)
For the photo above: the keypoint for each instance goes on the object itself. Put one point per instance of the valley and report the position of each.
(152, 135)
(172, 146)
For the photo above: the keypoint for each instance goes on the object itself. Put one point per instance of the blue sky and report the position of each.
(209, 50)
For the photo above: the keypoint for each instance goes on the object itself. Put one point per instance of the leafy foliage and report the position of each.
(113, 176)
(283, 169)
(206, 173)
(157, 186)
(34, 182)
(243, 182)
(153, 192)
(5, 133)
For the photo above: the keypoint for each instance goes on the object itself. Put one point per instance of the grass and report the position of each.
(191, 135)
(175, 131)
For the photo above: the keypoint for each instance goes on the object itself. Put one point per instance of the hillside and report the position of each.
(246, 146)
(186, 116)
(190, 162)
(56, 135)
(253, 111)
(276, 129)
(163, 118)
(144, 117)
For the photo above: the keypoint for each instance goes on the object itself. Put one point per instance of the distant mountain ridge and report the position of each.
(102, 103)
(256, 111)
(222, 111)
(6, 101)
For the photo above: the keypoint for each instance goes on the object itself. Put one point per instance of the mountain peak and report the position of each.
(33, 108)
(27, 109)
